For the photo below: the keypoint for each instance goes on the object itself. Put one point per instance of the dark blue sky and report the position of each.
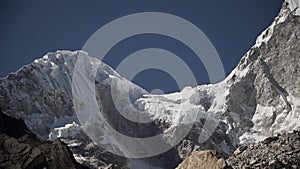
(29, 29)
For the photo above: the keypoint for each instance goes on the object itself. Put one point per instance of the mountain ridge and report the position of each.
(254, 102)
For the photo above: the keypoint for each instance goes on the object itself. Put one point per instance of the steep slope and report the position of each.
(41, 94)
(47, 86)
(258, 99)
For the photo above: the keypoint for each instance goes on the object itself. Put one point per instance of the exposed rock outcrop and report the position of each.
(258, 99)
(277, 152)
(281, 151)
(20, 149)
(203, 160)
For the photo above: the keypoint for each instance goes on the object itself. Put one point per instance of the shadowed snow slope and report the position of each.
(259, 98)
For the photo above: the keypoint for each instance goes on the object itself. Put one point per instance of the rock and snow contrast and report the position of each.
(261, 97)
(279, 151)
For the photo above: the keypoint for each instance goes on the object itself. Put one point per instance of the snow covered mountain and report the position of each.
(258, 99)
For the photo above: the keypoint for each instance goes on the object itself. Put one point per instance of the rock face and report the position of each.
(20, 149)
(281, 151)
(203, 160)
(85, 151)
(259, 98)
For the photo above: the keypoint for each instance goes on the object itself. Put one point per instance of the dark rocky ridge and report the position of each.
(20, 149)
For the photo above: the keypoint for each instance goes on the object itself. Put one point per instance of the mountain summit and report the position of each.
(259, 98)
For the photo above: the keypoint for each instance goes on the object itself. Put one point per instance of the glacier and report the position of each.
(259, 98)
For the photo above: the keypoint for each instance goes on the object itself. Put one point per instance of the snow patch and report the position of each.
(294, 6)
(68, 131)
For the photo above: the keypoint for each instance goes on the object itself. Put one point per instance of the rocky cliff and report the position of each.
(19, 148)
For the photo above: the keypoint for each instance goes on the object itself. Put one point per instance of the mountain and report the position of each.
(259, 98)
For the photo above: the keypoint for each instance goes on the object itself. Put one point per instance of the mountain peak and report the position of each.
(258, 99)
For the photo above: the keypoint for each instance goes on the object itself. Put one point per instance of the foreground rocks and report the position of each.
(20, 149)
(203, 160)
(281, 151)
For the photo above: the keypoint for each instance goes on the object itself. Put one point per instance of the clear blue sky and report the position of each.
(29, 29)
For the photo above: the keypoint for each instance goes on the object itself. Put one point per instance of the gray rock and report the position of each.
(26, 151)
(270, 155)
(258, 99)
